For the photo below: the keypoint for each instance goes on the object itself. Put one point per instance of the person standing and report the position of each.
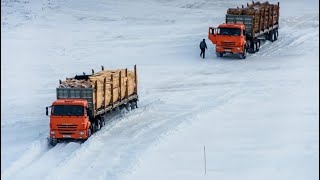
(203, 47)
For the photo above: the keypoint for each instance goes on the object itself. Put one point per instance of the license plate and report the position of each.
(66, 136)
(227, 50)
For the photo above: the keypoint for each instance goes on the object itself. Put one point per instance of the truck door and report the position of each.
(213, 34)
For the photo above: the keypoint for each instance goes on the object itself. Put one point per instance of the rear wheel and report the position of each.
(93, 128)
(128, 106)
(272, 36)
(102, 122)
(98, 124)
(133, 105)
(89, 132)
(257, 46)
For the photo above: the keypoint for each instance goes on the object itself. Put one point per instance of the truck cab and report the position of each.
(229, 38)
(69, 118)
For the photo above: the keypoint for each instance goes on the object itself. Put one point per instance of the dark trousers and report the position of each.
(203, 52)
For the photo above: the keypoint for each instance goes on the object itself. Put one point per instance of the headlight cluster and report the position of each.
(81, 133)
(52, 132)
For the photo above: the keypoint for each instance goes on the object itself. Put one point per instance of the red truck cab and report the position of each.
(69, 119)
(229, 38)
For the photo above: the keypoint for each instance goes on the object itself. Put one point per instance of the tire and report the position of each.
(101, 123)
(53, 141)
(276, 35)
(219, 54)
(89, 132)
(93, 128)
(133, 105)
(258, 46)
(128, 106)
(244, 54)
(98, 126)
(272, 36)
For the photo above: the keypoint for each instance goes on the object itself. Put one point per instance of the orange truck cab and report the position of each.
(69, 118)
(229, 38)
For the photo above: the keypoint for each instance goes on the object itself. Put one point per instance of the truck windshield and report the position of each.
(67, 110)
(230, 31)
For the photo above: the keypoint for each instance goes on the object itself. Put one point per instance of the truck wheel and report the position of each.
(89, 132)
(219, 54)
(53, 141)
(272, 36)
(276, 35)
(102, 123)
(257, 46)
(98, 125)
(244, 54)
(128, 106)
(133, 105)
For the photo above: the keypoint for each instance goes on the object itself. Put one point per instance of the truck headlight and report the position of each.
(81, 133)
(238, 48)
(52, 132)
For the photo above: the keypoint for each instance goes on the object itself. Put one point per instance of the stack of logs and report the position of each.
(107, 78)
(264, 14)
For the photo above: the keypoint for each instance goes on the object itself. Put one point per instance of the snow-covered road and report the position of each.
(257, 117)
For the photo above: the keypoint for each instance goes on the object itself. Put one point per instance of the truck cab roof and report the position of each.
(80, 102)
(235, 25)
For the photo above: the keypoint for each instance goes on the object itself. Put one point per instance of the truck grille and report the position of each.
(228, 44)
(67, 128)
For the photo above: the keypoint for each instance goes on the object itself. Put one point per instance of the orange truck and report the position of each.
(84, 101)
(245, 28)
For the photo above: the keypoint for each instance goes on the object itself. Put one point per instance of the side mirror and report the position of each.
(47, 113)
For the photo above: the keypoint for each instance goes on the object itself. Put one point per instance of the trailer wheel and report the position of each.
(128, 106)
(102, 122)
(257, 46)
(272, 36)
(133, 105)
(98, 126)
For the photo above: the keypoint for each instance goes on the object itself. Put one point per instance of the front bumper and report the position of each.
(233, 50)
(65, 134)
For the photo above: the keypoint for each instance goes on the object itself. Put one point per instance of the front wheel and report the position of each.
(219, 54)
(53, 141)
(244, 54)
(89, 132)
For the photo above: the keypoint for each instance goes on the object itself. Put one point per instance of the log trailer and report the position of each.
(84, 101)
(245, 27)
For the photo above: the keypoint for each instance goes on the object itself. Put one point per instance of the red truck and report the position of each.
(84, 101)
(245, 28)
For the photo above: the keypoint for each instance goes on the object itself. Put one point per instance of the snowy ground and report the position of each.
(258, 118)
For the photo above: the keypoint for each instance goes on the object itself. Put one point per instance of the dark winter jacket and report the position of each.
(203, 45)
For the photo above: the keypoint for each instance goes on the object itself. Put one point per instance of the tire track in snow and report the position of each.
(42, 158)
(289, 40)
(36, 150)
(121, 146)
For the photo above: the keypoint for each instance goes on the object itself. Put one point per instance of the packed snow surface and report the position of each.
(247, 119)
